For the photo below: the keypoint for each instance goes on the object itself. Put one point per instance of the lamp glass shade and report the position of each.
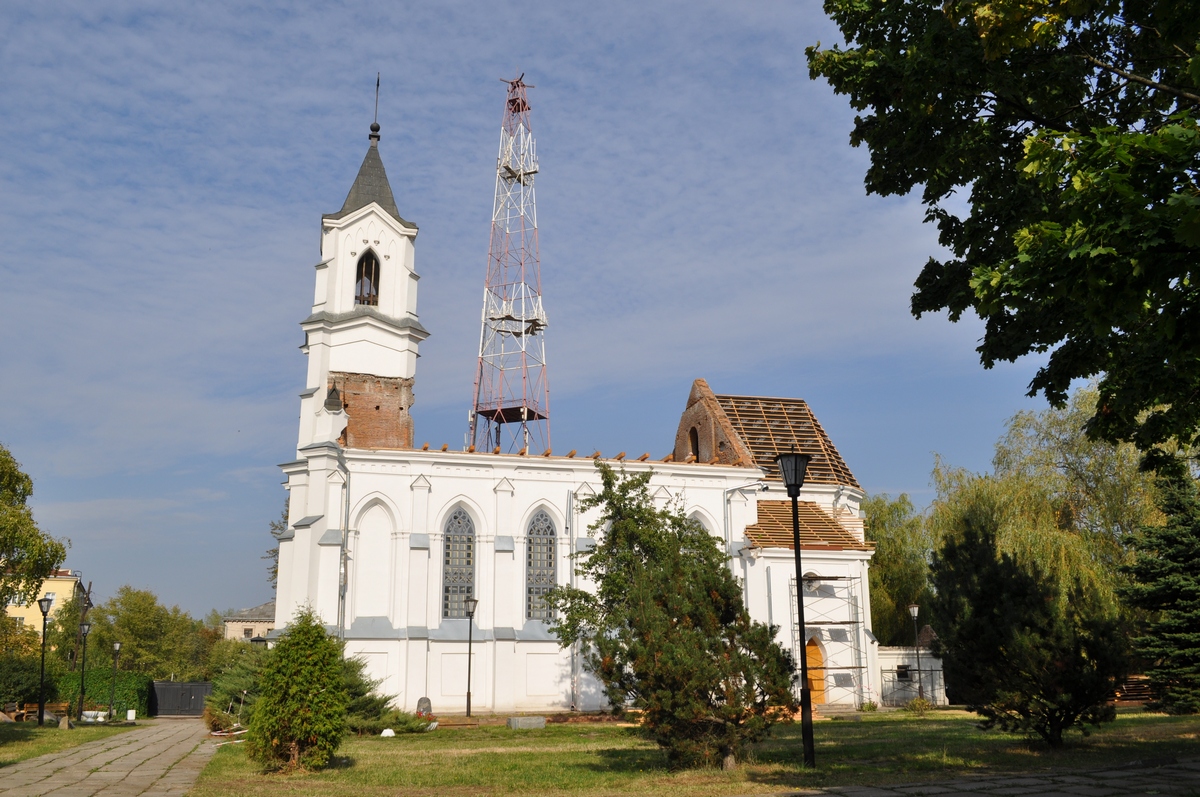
(116, 647)
(792, 466)
(913, 609)
(472, 605)
(44, 604)
(85, 628)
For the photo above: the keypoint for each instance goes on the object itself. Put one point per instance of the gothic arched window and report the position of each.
(540, 572)
(458, 574)
(366, 280)
(694, 443)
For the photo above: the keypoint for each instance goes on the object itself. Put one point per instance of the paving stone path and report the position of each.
(1179, 779)
(159, 760)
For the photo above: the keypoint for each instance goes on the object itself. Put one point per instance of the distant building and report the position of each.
(250, 623)
(59, 587)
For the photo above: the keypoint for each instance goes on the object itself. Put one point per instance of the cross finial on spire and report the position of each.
(375, 124)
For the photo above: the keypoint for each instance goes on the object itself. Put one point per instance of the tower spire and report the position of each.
(511, 410)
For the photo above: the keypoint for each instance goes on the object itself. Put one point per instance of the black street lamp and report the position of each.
(472, 605)
(913, 609)
(792, 466)
(112, 696)
(84, 629)
(44, 604)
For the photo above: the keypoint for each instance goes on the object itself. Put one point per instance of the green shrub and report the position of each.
(19, 679)
(236, 687)
(133, 691)
(362, 701)
(300, 717)
(869, 705)
(398, 721)
(918, 706)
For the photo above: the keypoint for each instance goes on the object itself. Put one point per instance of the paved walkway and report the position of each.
(159, 760)
(1145, 777)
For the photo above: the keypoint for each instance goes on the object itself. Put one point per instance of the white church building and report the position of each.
(386, 541)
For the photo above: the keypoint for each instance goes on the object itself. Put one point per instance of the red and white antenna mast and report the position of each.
(512, 397)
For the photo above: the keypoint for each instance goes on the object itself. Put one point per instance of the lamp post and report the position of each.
(472, 605)
(112, 696)
(44, 604)
(913, 609)
(792, 466)
(84, 629)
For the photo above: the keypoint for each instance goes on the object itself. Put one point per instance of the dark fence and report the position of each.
(176, 698)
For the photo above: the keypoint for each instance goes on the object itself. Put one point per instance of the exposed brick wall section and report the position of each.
(378, 409)
(714, 434)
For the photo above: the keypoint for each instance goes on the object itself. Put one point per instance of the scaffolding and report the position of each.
(834, 615)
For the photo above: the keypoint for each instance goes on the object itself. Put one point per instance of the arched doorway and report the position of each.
(816, 671)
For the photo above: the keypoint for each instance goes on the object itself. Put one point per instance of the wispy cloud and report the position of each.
(164, 167)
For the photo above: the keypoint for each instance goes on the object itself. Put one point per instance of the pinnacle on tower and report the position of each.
(511, 410)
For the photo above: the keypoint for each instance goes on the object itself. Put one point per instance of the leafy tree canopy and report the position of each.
(1071, 126)
(899, 573)
(27, 554)
(155, 640)
(666, 631)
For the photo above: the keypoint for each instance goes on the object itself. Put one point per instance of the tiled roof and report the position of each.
(770, 426)
(817, 529)
(371, 185)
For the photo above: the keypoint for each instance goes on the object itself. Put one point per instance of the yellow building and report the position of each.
(59, 587)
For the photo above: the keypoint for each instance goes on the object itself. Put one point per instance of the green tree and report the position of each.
(1014, 652)
(1070, 128)
(1100, 485)
(164, 643)
(300, 716)
(272, 554)
(899, 573)
(237, 669)
(1166, 576)
(666, 631)
(1030, 522)
(27, 554)
(62, 634)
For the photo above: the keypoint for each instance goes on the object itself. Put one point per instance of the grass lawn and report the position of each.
(21, 740)
(603, 759)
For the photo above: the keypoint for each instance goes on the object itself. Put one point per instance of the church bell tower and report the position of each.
(362, 336)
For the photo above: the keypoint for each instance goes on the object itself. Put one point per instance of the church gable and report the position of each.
(705, 434)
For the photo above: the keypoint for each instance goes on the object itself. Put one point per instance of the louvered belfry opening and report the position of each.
(366, 280)
(540, 573)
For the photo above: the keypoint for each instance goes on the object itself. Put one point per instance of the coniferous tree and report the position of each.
(666, 631)
(1167, 582)
(1017, 651)
(300, 717)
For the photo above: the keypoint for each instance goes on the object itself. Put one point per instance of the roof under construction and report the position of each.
(817, 529)
(770, 426)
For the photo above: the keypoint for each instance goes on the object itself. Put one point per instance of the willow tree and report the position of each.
(899, 572)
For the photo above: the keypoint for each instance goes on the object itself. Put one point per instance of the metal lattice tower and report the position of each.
(512, 397)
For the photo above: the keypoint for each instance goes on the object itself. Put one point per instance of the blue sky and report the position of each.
(164, 166)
